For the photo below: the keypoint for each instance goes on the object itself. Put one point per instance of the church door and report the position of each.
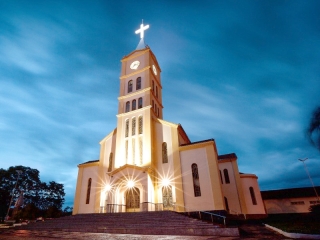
(133, 200)
(167, 197)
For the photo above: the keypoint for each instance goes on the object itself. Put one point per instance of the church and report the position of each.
(149, 164)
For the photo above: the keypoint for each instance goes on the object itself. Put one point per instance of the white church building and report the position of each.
(149, 164)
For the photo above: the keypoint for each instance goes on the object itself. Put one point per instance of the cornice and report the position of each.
(134, 93)
(134, 73)
(129, 113)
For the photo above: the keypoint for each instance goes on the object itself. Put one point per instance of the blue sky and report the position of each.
(245, 73)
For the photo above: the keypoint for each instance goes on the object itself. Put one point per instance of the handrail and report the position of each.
(211, 214)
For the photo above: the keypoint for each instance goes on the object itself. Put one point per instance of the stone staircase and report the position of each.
(142, 223)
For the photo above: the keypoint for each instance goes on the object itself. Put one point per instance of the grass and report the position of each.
(295, 223)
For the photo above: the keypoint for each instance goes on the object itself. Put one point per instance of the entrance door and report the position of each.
(167, 197)
(133, 200)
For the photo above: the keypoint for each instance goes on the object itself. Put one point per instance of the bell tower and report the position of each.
(140, 100)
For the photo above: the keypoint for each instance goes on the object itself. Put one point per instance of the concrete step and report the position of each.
(144, 223)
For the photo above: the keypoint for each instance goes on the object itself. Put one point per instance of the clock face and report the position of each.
(154, 69)
(134, 65)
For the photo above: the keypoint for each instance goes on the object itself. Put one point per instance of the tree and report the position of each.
(315, 209)
(313, 131)
(39, 196)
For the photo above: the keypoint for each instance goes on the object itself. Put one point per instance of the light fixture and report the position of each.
(165, 182)
(108, 187)
(130, 184)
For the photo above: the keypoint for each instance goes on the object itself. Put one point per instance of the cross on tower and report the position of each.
(142, 29)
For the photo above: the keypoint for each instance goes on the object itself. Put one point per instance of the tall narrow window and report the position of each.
(152, 86)
(156, 91)
(126, 146)
(130, 83)
(88, 191)
(140, 102)
(226, 203)
(133, 126)
(110, 162)
(134, 151)
(221, 176)
(140, 125)
(138, 83)
(153, 104)
(141, 150)
(164, 153)
(127, 128)
(253, 196)
(226, 176)
(196, 182)
(158, 112)
(134, 104)
(127, 106)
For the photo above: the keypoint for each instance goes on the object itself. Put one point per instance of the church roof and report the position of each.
(141, 45)
(290, 193)
(92, 161)
(227, 156)
(207, 140)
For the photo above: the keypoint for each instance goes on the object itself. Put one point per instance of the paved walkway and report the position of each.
(247, 232)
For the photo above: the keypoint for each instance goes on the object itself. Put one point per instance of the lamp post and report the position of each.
(305, 167)
(19, 172)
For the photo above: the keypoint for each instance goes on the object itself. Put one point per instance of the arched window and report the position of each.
(110, 162)
(221, 176)
(127, 106)
(88, 191)
(140, 102)
(133, 126)
(140, 125)
(134, 104)
(164, 153)
(127, 128)
(196, 182)
(130, 83)
(226, 176)
(253, 196)
(138, 83)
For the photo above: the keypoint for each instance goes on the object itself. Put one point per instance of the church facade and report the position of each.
(149, 164)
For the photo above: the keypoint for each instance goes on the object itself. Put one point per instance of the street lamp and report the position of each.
(305, 167)
(19, 172)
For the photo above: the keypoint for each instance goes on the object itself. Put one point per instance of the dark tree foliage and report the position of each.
(39, 197)
(314, 128)
(315, 209)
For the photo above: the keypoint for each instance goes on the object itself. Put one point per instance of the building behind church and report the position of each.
(149, 164)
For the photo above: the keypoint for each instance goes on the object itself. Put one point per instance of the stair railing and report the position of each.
(212, 215)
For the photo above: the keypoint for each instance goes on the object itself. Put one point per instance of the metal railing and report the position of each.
(149, 207)
(143, 207)
(201, 215)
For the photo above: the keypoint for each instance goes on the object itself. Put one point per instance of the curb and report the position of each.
(294, 235)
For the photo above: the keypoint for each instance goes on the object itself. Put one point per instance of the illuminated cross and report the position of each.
(142, 29)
